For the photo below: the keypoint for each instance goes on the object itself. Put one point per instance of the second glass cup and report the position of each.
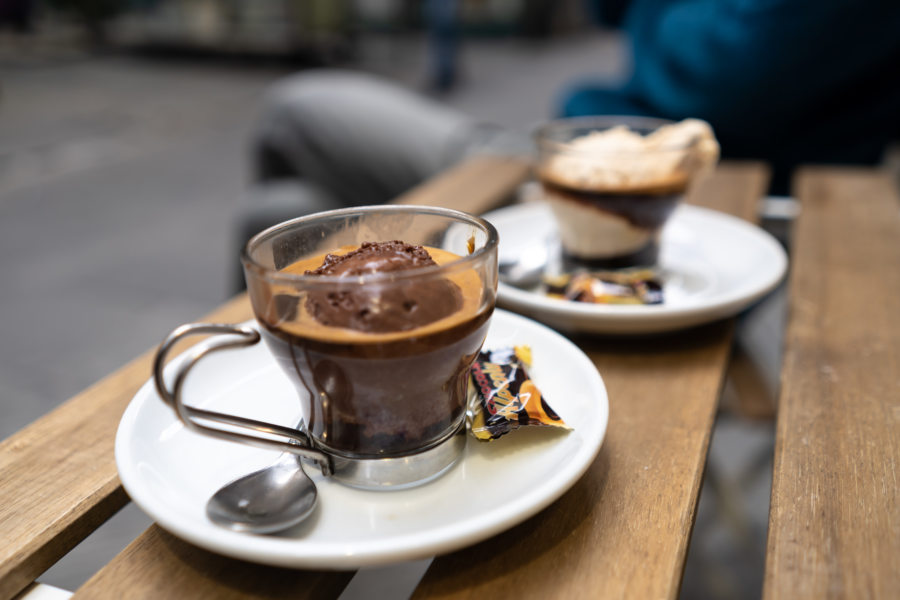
(613, 182)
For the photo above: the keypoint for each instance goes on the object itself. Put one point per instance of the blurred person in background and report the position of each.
(784, 81)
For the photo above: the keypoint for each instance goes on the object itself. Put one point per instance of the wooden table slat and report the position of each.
(159, 565)
(58, 479)
(474, 186)
(623, 529)
(834, 521)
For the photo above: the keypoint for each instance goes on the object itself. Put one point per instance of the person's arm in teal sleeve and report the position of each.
(762, 60)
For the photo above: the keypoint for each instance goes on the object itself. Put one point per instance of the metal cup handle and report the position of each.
(247, 431)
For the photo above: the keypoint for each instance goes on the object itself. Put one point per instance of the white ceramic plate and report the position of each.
(714, 265)
(170, 472)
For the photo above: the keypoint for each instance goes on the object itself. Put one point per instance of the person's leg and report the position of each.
(328, 139)
(441, 17)
(359, 138)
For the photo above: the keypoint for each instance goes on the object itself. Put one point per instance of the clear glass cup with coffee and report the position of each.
(375, 314)
(613, 182)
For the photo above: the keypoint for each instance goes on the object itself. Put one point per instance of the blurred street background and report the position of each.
(124, 162)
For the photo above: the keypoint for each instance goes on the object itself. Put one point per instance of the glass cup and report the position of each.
(611, 197)
(380, 360)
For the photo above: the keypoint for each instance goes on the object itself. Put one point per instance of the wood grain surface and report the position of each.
(834, 521)
(58, 479)
(623, 530)
(734, 188)
(475, 186)
(159, 565)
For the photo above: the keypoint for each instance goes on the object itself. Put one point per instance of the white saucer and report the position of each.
(714, 265)
(170, 472)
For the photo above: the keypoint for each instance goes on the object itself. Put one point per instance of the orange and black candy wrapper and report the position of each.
(504, 397)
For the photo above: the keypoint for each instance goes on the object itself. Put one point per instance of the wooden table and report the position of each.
(623, 530)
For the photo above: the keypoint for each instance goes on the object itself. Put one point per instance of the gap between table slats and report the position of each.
(834, 520)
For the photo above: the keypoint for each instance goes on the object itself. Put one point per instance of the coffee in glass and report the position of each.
(613, 182)
(375, 314)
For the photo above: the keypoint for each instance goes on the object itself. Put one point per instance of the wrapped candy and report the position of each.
(504, 397)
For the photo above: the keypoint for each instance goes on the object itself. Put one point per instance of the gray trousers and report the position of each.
(327, 139)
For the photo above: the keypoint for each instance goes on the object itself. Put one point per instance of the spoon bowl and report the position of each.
(269, 500)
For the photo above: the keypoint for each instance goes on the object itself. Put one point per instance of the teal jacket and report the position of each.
(786, 81)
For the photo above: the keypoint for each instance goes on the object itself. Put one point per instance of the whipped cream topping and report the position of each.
(619, 159)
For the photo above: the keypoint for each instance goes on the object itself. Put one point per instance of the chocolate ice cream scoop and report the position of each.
(379, 307)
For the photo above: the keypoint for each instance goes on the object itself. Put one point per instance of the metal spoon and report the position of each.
(269, 500)
(528, 268)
